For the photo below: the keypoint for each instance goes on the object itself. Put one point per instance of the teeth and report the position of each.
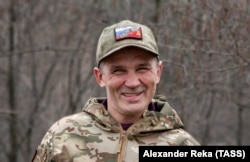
(131, 94)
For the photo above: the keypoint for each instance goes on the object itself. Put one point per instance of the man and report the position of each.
(111, 128)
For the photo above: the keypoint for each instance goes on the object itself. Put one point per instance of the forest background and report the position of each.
(47, 55)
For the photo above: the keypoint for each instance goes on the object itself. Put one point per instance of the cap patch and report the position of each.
(128, 32)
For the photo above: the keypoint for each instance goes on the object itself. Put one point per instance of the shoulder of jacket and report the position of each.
(80, 119)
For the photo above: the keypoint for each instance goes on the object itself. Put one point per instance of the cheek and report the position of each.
(150, 78)
(114, 82)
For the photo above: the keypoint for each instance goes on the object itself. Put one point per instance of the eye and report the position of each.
(143, 69)
(118, 71)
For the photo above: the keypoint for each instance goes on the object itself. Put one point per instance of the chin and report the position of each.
(134, 108)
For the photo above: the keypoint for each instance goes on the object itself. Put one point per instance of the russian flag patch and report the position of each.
(125, 32)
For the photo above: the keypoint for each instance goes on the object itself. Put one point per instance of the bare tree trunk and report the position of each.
(12, 155)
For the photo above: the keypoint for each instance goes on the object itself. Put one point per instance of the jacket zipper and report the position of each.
(120, 149)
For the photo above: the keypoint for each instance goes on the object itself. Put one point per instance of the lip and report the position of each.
(132, 96)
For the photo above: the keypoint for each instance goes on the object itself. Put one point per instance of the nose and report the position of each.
(132, 80)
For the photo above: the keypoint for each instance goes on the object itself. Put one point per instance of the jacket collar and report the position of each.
(163, 118)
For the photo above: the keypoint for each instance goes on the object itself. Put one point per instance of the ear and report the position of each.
(159, 71)
(98, 76)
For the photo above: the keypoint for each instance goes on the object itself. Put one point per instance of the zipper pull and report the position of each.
(121, 142)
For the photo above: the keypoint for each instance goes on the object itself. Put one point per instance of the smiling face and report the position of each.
(130, 77)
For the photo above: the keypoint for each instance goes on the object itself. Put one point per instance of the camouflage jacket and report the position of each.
(94, 136)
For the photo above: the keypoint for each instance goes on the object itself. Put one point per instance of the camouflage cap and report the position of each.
(124, 34)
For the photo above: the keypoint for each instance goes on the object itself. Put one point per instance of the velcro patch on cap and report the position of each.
(128, 32)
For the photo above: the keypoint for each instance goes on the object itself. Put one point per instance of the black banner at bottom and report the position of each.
(201, 153)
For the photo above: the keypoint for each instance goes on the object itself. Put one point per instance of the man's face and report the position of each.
(130, 77)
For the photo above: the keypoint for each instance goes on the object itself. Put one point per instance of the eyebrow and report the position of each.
(116, 67)
(144, 64)
(121, 66)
